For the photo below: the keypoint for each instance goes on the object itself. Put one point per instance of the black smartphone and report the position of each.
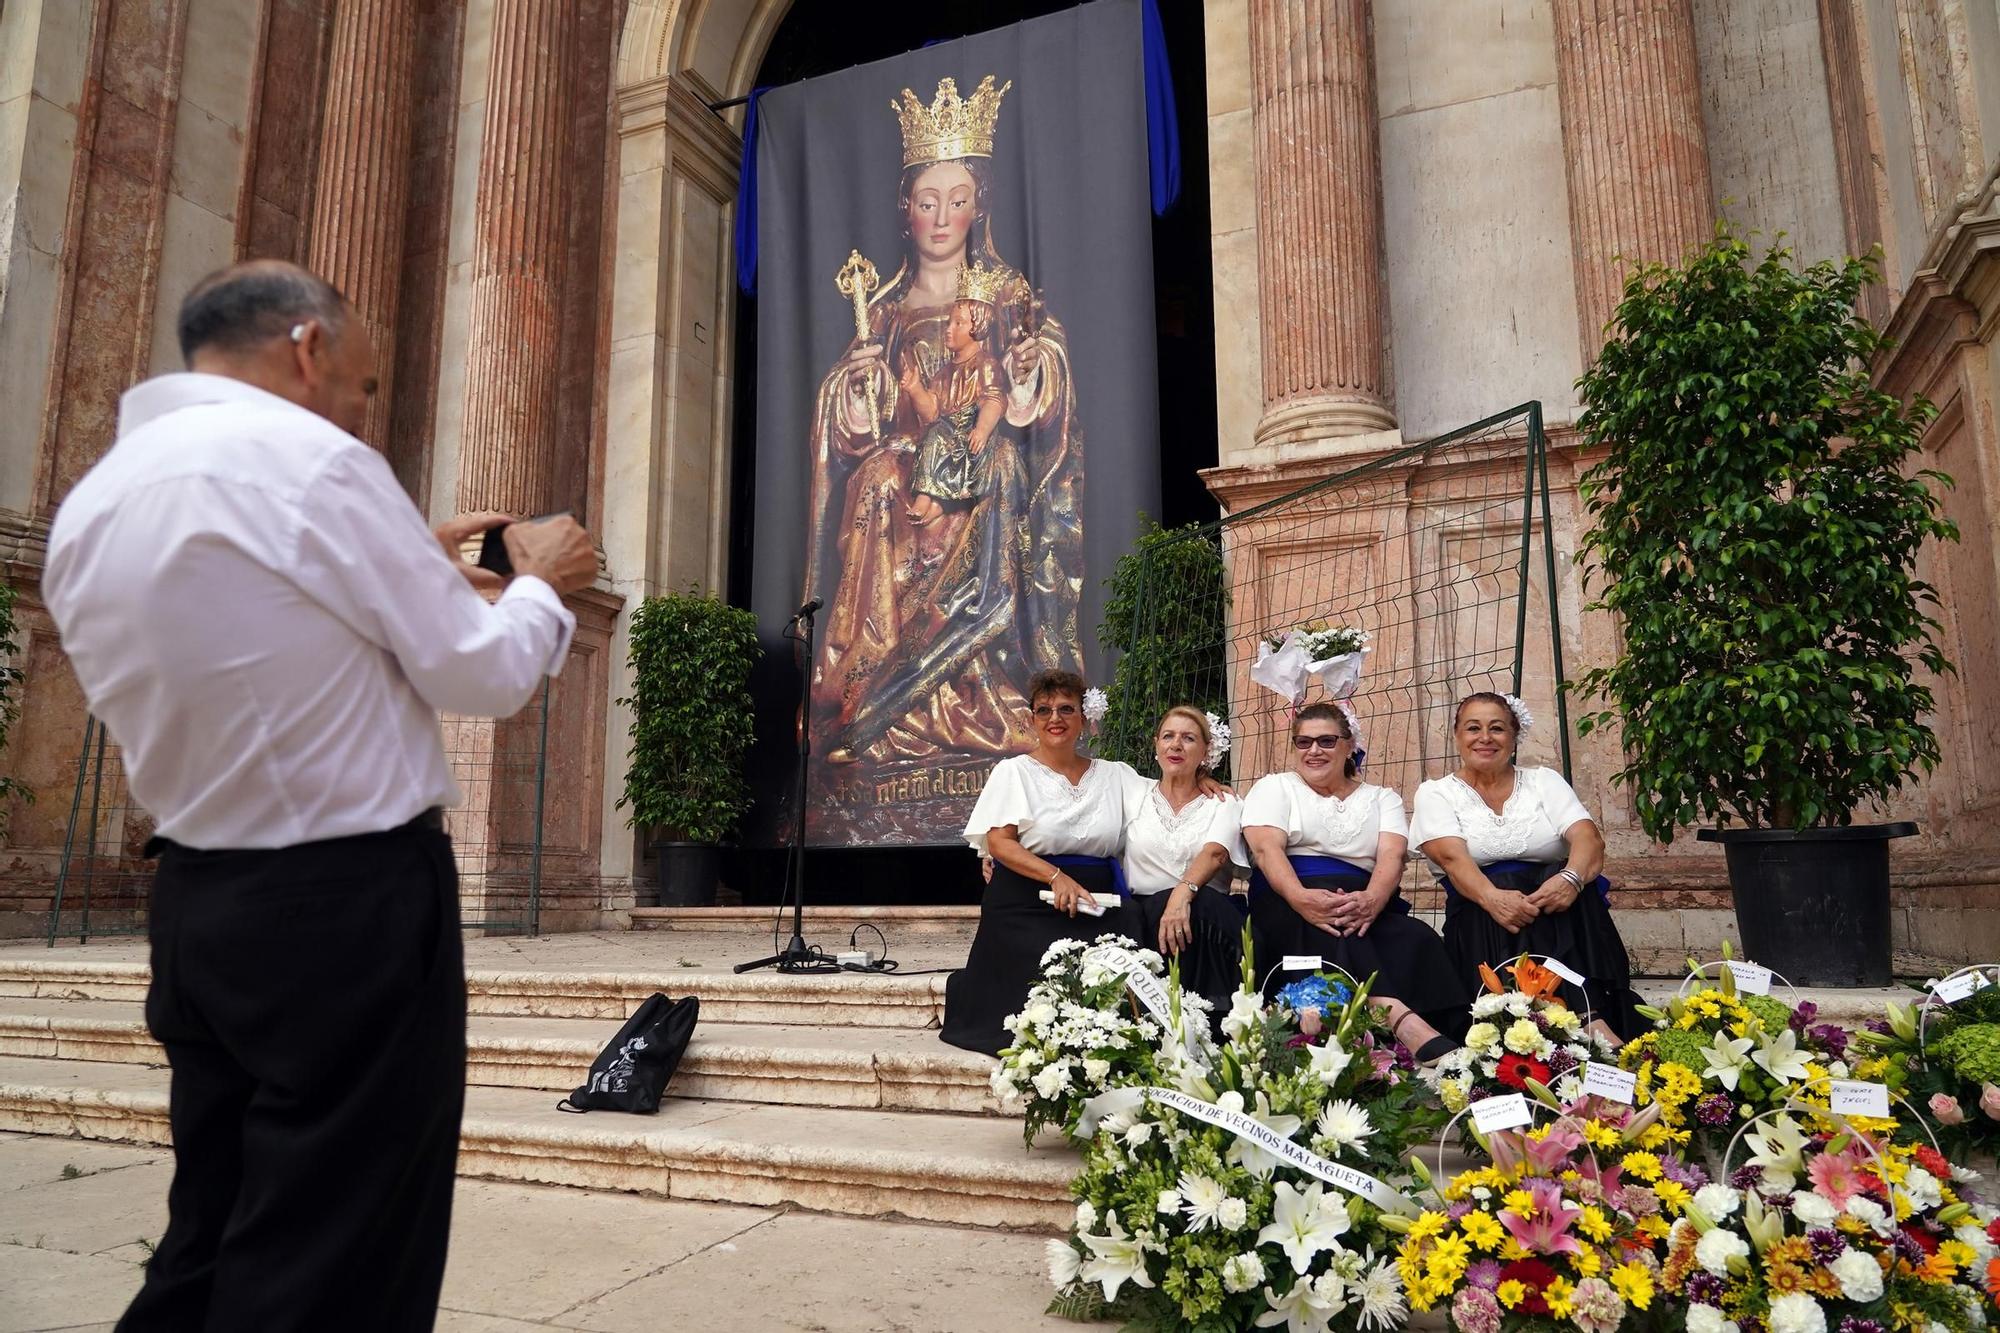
(493, 549)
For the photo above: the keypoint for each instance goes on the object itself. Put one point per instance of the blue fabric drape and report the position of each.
(1601, 886)
(1305, 866)
(1077, 860)
(1163, 144)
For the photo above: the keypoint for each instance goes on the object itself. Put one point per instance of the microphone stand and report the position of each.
(797, 955)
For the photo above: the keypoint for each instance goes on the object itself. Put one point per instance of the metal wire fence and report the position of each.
(1441, 553)
(103, 876)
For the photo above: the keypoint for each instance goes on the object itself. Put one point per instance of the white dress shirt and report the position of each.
(1316, 825)
(1160, 844)
(1532, 825)
(259, 615)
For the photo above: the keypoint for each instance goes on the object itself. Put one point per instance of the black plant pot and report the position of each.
(689, 873)
(1813, 903)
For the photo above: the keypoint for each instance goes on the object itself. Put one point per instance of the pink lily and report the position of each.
(1547, 1231)
(1548, 1156)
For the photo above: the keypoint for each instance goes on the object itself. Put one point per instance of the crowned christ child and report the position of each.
(961, 405)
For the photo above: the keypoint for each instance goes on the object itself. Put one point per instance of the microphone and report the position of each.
(809, 608)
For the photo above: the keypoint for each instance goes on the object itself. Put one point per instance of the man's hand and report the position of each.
(454, 533)
(556, 550)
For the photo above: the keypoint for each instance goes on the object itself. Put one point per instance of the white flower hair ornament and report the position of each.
(1354, 730)
(1096, 703)
(1218, 742)
(1524, 721)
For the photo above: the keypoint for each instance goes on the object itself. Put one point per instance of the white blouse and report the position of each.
(1053, 816)
(1529, 827)
(1159, 843)
(1316, 825)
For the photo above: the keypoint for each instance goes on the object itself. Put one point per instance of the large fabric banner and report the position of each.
(956, 401)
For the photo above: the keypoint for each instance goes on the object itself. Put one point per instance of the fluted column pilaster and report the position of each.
(1629, 85)
(361, 192)
(1319, 219)
(507, 460)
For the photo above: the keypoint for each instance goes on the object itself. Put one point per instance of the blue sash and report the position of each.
(1305, 866)
(1600, 884)
(1068, 860)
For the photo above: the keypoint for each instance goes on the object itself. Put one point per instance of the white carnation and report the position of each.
(1086, 1215)
(1714, 1251)
(1051, 1081)
(1870, 1213)
(1796, 1312)
(1242, 1273)
(1813, 1210)
(1708, 1319)
(1170, 1202)
(1483, 1038)
(1523, 1037)
(1232, 1214)
(1716, 1201)
(1138, 1134)
(1860, 1277)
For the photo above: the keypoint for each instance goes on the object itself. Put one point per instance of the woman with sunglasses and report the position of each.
(1053, 821)
(1328, 850)
(1519, 857)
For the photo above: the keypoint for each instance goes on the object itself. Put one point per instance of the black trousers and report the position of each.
(311, 1001)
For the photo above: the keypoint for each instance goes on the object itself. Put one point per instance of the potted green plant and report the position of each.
(691, 659)
(1755, 527)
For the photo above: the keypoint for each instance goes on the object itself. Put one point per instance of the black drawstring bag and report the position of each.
(631, 1073)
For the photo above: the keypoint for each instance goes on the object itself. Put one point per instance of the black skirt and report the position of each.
(1583, 937)
(1212, 962)
(1405, 956)
(1015, 930)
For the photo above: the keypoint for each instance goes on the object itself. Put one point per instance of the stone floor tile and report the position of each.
(46, 1289)
(27, 1160)
(92, 1214)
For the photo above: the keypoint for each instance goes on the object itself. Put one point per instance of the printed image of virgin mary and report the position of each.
(944, 596)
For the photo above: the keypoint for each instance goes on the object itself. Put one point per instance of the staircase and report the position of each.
(830, 1093)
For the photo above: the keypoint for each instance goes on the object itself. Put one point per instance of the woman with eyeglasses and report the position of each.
(1328, 850)
(1053, 821)
(1180, 842)
(1519, 855)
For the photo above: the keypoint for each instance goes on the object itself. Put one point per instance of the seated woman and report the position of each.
(1519, 857)
(1329, 851)
(1051, 820)
(1179, 844)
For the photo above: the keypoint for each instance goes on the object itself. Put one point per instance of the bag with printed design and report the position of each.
(631, 1073)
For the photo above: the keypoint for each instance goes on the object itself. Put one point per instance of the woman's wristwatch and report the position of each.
(1183, 884)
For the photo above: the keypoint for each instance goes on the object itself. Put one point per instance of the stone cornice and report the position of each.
(705, 146)
(1953, 298)
(24, 545)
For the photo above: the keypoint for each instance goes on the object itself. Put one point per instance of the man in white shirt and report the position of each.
(259, 615)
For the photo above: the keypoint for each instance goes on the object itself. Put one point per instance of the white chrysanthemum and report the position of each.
(1860, 1277)
(1345, 1123)
(1380, 1293)
(1203, 1198)
(1714, 1251)
(1796, 1312)
(1717, 1201)
(1064, 1263)
(1242, 1273)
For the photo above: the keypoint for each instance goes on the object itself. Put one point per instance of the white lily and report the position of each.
(1782, 1059)
(1259, 1161)
(1114, 1260)
(1246, 1010)
(1303, 1309)
(1727, 1057)
(1304, 1224)
(1329, 1062)
(1780, 1151)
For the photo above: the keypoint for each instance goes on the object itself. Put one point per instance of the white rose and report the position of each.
(1797, 1312)
(1860, 1277)
(1232, 1214)
(1812, 1210)
(1242, 1273)
(1714, 1251)
(1716, 1201)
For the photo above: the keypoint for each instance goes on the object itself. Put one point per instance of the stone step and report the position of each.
(819, 921)
(785, 1065)
(815, 1000)
(970, 1170)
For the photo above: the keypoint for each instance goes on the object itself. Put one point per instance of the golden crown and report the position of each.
(951, 126)
(993, 285)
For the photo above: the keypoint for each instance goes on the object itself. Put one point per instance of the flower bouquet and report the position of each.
(1288, 661)
(1716, 1058)
(1081, 1032)
(1197, 1208)
(1829, 1231)
(1944, 1059)
(1552, 1235)
(1520, 1036)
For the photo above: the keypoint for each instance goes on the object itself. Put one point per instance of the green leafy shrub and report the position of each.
(691, 659)
(1167, 618)
(1755, 527)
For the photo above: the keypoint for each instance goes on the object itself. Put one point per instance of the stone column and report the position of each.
(1639, 190)
(1319, 219)
(362, 190)
(507, 455)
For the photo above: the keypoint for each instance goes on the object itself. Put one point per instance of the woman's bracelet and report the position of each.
(1570, 875)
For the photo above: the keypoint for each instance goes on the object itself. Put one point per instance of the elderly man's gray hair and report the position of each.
(239, 307)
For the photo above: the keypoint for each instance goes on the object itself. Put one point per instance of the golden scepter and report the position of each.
(856, 279)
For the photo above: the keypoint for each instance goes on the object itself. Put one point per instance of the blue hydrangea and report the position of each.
(1314, 992)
